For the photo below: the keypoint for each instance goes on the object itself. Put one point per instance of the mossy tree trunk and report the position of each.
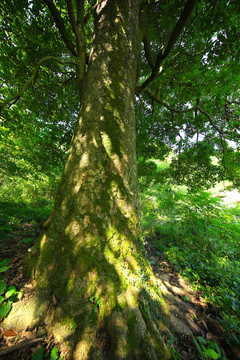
(105, 304)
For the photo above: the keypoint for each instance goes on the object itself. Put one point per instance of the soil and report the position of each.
(187, 312)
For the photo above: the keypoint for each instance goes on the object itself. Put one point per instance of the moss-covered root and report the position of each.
(126, 336)
(126, 333)
(123, 336)
(132, 332)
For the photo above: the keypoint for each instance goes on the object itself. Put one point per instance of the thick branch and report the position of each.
(147, 50)
(78, 29)
(173, 110)
(80, 12)
(177, 29)
(147, 8)
(61, 27)
(173, 38)
(12, 100)
(72, 18)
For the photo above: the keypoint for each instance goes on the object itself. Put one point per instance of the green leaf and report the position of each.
(2, 287)
(5, 308)
(1, 299)
(198, 347)
(218, 349)
(54, 354)
(10, 291)
(4, 268)
(211, 353)
(39, 354)
(4, 262)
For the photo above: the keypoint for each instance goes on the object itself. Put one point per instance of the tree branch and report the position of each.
(61, 27)
(173, 38)
(78, 29)
(177, 30)
(173, 110)
(147, 50)
(80, 12)
(12, 100)
(223, 133)
(68, 80)
(72, 18)
(158, 100)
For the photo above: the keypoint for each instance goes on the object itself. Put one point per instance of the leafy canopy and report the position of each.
(187, 91)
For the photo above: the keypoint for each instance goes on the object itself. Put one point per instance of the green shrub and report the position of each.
(201, 238)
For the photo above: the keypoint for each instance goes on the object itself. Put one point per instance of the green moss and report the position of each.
(132, 340)
(30, 260)
(30, 263)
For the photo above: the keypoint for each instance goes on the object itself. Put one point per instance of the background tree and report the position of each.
(170, 54)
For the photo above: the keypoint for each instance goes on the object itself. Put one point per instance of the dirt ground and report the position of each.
(187, 313)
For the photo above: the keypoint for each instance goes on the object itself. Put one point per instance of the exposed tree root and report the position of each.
(128, 333)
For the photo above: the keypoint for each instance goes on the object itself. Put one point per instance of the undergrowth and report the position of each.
(198, 234)
(200, 237)
(24, 201)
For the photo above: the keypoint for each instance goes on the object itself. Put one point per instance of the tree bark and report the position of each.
(105, 302)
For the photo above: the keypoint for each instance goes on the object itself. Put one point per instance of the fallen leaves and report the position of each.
(10, 332)
(28, 335)
(24, 334)
(13, 340)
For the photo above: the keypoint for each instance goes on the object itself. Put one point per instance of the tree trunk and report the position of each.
(105, 303)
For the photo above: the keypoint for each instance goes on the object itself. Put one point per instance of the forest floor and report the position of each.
(189, 314)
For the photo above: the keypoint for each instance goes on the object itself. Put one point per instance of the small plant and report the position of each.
(39, 354)
(96, 302)
(69, 325)
(3, 265)
(7, 295)
(208, 349)
(174, 352)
